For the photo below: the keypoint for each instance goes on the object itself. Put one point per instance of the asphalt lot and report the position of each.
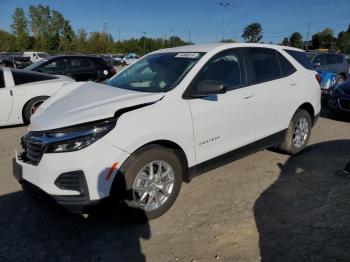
(265, 207)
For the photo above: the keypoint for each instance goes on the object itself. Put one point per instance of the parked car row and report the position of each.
(78, 67)
(138, 135)
(14, 60)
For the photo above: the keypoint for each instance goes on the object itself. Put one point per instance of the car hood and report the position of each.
(85, 102)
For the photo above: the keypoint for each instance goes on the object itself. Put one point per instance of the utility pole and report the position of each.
(307, 36)
(189, 35)
(119, 34)
(105, 27)
(171, 36)
(223, 5)
(144, 43)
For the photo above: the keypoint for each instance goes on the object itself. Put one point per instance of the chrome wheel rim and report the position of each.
(301, 132)
(153, 185)
(35, 106)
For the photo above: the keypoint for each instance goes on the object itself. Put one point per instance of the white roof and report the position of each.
(220, 46)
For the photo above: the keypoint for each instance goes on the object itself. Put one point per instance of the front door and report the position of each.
(5, 100)
(226, 121)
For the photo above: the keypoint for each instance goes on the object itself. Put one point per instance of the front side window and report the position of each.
(265, 64)
(57, 66)
(156, 72)
(227, 67)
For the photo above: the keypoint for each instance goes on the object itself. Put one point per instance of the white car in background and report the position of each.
(22, 92)
(136, 137)
(36, 56)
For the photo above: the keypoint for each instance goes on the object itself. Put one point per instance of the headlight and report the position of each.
(76, 138)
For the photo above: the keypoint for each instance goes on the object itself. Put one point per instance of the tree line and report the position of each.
(45, 29)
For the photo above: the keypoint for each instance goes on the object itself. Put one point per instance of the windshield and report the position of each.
(43, 55)
(155, 73)
(35, 65)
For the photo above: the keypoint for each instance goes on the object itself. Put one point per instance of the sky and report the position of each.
(199, 21)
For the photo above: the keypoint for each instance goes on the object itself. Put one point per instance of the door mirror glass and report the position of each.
(208, 87)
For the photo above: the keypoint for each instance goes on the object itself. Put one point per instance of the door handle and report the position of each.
(247, 96)
(292, 84)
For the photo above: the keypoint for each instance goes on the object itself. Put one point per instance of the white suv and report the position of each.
(135, 138)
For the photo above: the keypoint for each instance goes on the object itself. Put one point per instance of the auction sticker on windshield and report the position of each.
(187, 55)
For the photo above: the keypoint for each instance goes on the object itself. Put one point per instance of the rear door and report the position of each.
(81, 69)
(6, 98)
(274, 82)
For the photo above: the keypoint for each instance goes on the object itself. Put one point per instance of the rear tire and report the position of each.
(298, 133)
(340, 79)
(31, 106)
(145, 190)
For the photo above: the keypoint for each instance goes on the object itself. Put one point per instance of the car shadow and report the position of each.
(31, 231)
(305, 214)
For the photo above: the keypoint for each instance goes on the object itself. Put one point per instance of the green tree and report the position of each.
(252, 33)
(285, 41)
(20, 29)
(55, 29)
(343, 41)
(324, 39)
(6, 41)
(296, 40)
(229, 40)
(66, 43)
(40, 25)
(80, 41)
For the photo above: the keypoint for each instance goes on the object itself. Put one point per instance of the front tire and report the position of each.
(298, 133)
(149, 182)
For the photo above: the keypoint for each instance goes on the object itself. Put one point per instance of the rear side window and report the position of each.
(300, 57)
(286, 67)
(265, 64)
(80, 63)
(2, 81)
(334, 59)
(25, 77)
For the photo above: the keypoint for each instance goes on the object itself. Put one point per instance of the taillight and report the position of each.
(318, 77)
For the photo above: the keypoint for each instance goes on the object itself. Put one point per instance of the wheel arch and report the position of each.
(309, 108)
(27, 102)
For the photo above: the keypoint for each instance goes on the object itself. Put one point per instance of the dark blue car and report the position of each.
(339, 99)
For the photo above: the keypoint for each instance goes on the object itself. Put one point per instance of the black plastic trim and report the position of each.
(270, 141)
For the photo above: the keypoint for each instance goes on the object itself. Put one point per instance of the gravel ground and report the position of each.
(265, 207)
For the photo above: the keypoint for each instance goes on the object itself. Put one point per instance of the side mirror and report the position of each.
(317, 64)
(208, 87)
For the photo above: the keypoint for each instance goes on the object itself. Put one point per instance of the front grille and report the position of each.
(34, 148)
(344, 104)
